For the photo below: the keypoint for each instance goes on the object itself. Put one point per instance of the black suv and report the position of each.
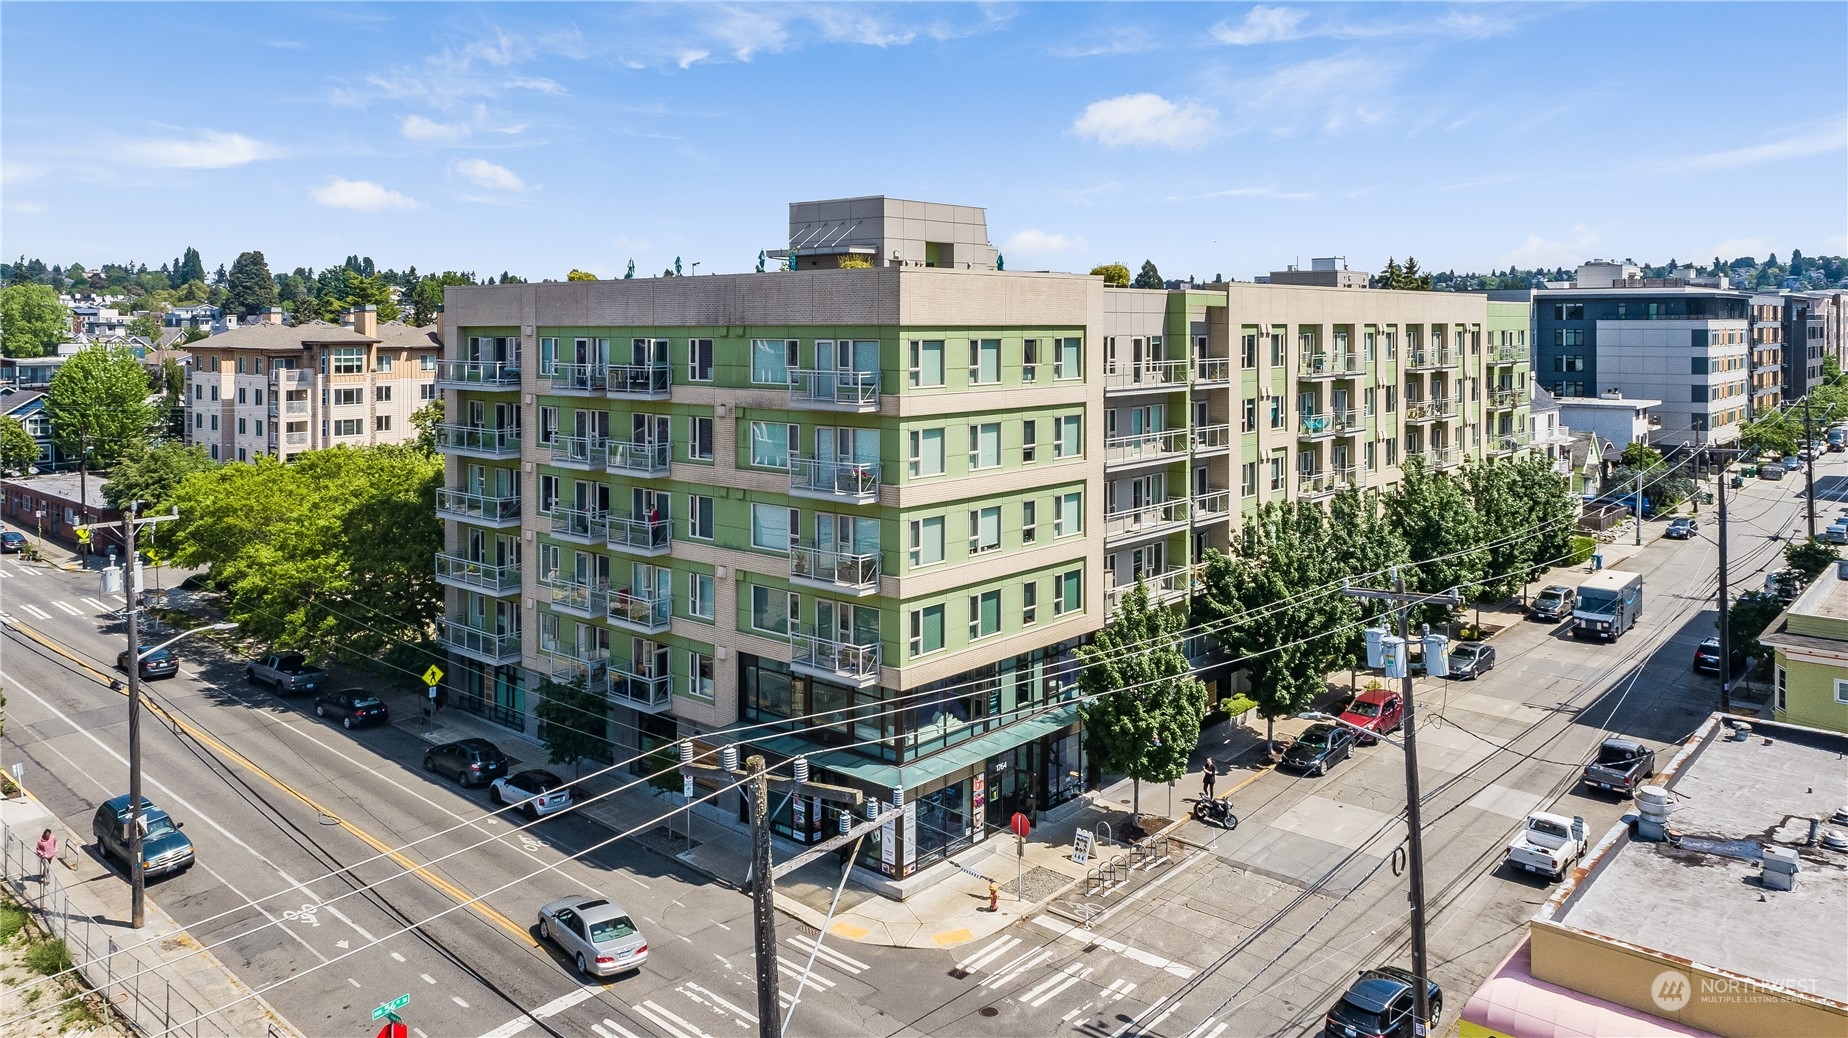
(470, 762)
(1318, 748)
(1380, 1004)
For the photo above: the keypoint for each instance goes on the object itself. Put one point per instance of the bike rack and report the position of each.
(1107, 836)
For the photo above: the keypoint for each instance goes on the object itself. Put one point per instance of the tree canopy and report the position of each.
(32, 320)
(1148, 276)
(580, 275)
(1115, 275)
(1143, 705)
(150, 473)
(18, 450)
(249, 288)
(1407, 278)
(98, 405)
(576, 721)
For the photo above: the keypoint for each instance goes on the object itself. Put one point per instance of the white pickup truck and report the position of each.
(1548, 844)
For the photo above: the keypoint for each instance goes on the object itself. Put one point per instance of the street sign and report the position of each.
(391, 1007)
(433, 675)
(686, 787)
(1020, 824)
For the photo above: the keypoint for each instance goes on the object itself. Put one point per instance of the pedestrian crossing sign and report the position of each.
(433, 675)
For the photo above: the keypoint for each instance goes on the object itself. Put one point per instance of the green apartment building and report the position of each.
(864, 516)
(1809, 643)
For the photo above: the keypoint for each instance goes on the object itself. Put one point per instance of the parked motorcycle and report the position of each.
(1217, 810)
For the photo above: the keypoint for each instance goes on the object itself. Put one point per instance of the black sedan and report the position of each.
(155, 663)
(12, 541)
(354, 707)
(1471, 660)
(1319, 748)
(1682, 528)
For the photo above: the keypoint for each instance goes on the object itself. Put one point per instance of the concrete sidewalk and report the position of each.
(157, 978)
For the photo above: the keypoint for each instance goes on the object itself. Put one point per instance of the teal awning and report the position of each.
(878, 774)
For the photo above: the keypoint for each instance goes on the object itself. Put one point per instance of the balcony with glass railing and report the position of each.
(477, 374)
(287, 407)
(1434, 410)
(571, 663)
(639, 381)
(640, 534)
(1430, 359)
(639, 458)
(477, 441)
(1325, 482)
(463, 638)
(831, 480)
(460, 571)
(295, 438)
(463, 505)
(1438, 457)
(638, 609)
(1507, 354)
(580, 452)
(1503, 399)
(1146, 520)
(1145, 448)
(1507, 444)
(1351, 421)
(580, 525)
(1212, 503)
(586, 598)
(1212, 439)
(1317, 364)
(832, 569)
(1314, 424)
(833, 660)
(1163, 588)
(1145, 377)
(835, 390)
(650, 695)
(1209, 371)
(578, 378)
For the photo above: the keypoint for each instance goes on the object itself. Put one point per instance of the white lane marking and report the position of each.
(1049, 988)
(678, 1029)
(993, 951)
(834, 958)
(795, 971)
(68, 608)
(35, 610)
(720, 925)
(457, 999)
(1133, 1023)
(704, 994)
(427, 979)
(624, 1032)
(552, 1008)
(94, 604)
(23, 571)
(353, 982)
(635, 881)
(398, 955)
(1076, 932)
(1018, 969)
(1202, 1032)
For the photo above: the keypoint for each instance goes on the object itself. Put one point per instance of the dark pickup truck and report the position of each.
(1622, 765)
(286, 672)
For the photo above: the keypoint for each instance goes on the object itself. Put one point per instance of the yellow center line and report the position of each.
(460, 895)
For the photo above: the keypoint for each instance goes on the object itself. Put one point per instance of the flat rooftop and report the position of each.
(1700, 898)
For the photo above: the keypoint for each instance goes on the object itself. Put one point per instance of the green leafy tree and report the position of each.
(425, 420)
(18, 450)
(1810, 557)
(250, 288)
(1148, 276)
(1115, 275)
(1772, 431)
(32, 321)
(428, 295)
(149, 474)
(1750, 614)
(193, 334)
(580, 275)
(1444, 535)
(1641, 456)
(576, 722)
(1144, 706)
(98, 405)
(147, 326)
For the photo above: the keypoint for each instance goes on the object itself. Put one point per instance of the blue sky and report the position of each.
(1212, 139)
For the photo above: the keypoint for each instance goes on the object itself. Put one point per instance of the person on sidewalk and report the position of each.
(1207, 774)
(46, 850)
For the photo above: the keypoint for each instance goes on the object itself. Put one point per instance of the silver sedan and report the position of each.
(598, 935)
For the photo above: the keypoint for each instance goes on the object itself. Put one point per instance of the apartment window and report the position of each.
(198, 391)
(1570, 311)
(770, 442)
(214, 452)
(926, 452)
(926, 362)
(382, 363)
(1068, 592)
(1697, 365)
(214, 392)
(699, 517)
(1248, 352)
(259, 424)
(214, 423)
(771, 361)
(700, 675)
(1367, 343)
(346, 397)
(382, 423)
(381, 394)
(1029, 603)
(240, 395)
(699, 360)
(240, 454)
(926, 630)
(426, 391)
(1248, 479)
(240, 365)
(926, 541)
(1029, 360)
(348, 427)
(1568, 362)
(1029, 522)
(1568, 336)
(426, 362)
(773, 527)
(1068, 358)
(984, 530)
(1070, 440)
(1392, 399)
(1276, 472)
(984, 361)
(1697, 394)
(772, 610)
(548, 356)
(1276, 347)
(1068, 514)
(1392, 452)
(984, 614)
(240, 427)
(1276, 412)
(699, 439)
(1029, 441)
(349, 360)
(1248, 419)
(548, 424)
(548, 493)
(700, 595)
(985, 446)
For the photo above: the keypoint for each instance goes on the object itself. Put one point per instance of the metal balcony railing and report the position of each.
(841, 390)
(1148, 375)
(640, 535)
(1212, 369)
(459, 636)
(1214, 503)
(1440, 457)
(641, 610)
(1508, 354)
(834, 569)
(587, 663)
(639, 691)
(1352, 420)
(585, 526)
(1149, 518)
(582, 452)
(831, 659)
(1318, 423)
(1502, 399)
(1329, 481)
(589, 599)
(643, 381)
(1431, 358)
(1149, 446)
(1508, 444)
(580, 378)
(1216, 437)
(478, 441)
(1163, 588)
(295, 439)
(1331, 365)
(856, 481)
(477, 374)
(460, 504)
(461, 571)
(639, 458)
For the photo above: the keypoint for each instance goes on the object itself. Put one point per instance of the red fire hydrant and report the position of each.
(994, 896)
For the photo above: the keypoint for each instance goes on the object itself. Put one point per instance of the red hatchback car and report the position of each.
(1379, 711)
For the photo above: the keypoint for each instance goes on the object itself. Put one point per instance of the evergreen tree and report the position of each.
(191, 268)
(1148, 276)
(250, 289)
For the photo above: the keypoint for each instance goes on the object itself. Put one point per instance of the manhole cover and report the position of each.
(990, 1011)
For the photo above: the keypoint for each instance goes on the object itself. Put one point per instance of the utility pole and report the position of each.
(1725, 596)
(1414, 822)
(763, 904)
(1809, 467)
(1639, 509)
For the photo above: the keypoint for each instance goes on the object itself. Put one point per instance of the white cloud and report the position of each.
(209, 150)
(287, 44)
(361, 195)
(13, 205)
(482, 173)
(1539, 252)
(1332, 94)
(1144, 120)
(1248, 192)
(1815, 139)
(1035, 242)
(1262, 25)
(429, 131)
(1733, 248)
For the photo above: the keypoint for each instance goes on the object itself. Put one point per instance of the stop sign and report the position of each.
(1020, 825)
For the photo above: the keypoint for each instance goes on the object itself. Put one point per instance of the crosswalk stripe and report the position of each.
(1049, 988)
(35, 610)
(67, 607)
(994, 951)
(706, 994)
(1017, 968)
(23, 571)
(94, 604)
(834, 958)
(624, 1032)
(794, 969)
(1115, 994)
(678, 1028)
(1202, 1032)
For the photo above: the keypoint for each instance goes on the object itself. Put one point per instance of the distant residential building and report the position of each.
(58, 503)
(1809, 643)
(27, 407)
(1803, 328)
(200, 316)
(1765, 359)
(277, 390)
(1326, 272)
(1615, 418)
(1548, 434)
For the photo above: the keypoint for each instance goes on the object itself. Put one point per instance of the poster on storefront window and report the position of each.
(911, 835)
(888, 841)
(978, 814)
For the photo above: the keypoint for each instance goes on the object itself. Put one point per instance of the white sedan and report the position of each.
(598, 935)
(538, 792)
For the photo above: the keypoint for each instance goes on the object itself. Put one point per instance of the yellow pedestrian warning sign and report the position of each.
(433, 675)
